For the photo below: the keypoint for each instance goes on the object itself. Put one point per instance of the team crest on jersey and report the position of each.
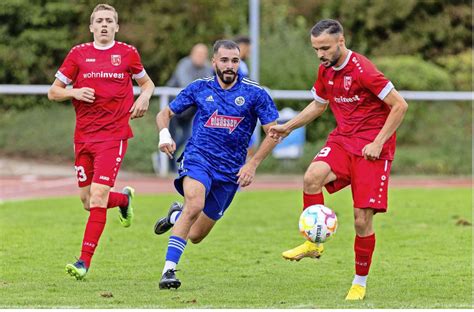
(115, 59)
(223, 122)
(347, 82)
(240, 100)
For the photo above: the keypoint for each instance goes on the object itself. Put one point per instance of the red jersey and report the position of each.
(108, 71)
(355, 91)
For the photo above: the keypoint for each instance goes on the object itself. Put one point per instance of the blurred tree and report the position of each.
(426, 27)
(35, 36)
(460, 67)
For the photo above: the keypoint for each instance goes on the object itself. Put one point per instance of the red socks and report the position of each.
(95, 226)
(117, 200)
(312, 199)
(363, 248)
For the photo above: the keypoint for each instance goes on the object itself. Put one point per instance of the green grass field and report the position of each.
(422, 258)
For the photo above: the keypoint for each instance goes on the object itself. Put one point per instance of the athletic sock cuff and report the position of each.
(98, 214)
(178, 239)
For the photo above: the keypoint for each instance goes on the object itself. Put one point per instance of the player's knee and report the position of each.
(85, 201)
(191, 211)
(362, 224)
(98, 198)
(313, 179)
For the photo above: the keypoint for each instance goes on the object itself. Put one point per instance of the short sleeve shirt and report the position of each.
(224, 121)
(109, 71)
(355, 91)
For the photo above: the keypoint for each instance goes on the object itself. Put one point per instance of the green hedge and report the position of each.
(460, 68)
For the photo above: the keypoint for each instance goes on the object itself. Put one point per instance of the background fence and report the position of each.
(164, 95)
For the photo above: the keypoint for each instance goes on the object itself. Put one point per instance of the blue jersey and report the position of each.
(224, 121)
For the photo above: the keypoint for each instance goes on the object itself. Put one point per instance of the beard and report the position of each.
(331, 62)
(227, 77)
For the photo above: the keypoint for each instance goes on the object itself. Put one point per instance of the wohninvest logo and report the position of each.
(104, 75)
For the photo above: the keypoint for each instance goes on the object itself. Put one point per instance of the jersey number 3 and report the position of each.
(81, 173)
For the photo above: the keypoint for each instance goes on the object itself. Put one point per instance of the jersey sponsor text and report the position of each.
(223, 122)
(102, 74)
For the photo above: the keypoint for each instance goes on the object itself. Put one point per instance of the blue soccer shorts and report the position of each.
(219, 191)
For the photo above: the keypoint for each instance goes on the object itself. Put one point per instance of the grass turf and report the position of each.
(422, 258)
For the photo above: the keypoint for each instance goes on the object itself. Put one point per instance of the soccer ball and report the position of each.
(318, 223)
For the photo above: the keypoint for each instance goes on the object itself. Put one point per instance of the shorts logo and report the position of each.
(115, 59)
(239, 101)
(347, 82)
(104, 178)
(223, 122)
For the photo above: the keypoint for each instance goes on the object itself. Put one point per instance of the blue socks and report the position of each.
(176, 247)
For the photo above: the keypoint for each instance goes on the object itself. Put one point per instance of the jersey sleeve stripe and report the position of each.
(63, 78)
(251, 84)
(139, 75)
(317, 98)
(388, 87)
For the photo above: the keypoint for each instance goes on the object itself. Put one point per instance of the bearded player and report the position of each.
(359, 151)
(212, 165)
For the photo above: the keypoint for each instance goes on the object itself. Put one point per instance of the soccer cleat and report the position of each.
(164, 223)
(357, 292)
(169, 280)
(77, 270)
(307, 249)
(126, 213)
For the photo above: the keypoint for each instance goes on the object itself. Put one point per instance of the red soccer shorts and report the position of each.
(98, 162)
(368, 179)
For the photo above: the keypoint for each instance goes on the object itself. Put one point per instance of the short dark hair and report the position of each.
(329, 26)
(227, 44)
(242, 39)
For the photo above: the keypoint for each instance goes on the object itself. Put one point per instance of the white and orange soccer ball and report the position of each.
(318, 223)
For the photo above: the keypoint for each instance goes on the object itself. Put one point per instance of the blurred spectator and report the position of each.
(189, 68)
(244, 46)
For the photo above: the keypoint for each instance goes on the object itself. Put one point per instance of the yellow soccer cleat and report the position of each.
(307, 249)
(357, 292)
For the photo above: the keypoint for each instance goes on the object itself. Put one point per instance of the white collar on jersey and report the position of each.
(104, 48)
(345, 61)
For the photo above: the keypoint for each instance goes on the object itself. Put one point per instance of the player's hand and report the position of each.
(372, 151)
(246, 174)
(84, 94)
(139, 108)
(168, 148)
(278, 132)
